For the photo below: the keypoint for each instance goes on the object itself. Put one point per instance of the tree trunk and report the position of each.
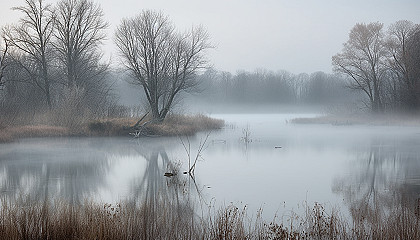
(47, 87)
(155, 111)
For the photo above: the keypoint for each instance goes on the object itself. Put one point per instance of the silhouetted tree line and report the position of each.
(280, 87)
(383, 64)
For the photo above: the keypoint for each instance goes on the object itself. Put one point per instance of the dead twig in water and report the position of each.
(201, 148)
(246, 134)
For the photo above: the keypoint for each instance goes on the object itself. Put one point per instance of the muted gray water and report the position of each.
(334, 165)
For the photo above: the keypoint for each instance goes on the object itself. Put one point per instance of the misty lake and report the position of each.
(281, 167)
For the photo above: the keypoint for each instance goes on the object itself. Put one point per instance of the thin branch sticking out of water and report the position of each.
(246, 134)
(201, 148)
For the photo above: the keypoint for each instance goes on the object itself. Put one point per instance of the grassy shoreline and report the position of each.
(173, 125)
(362, 119)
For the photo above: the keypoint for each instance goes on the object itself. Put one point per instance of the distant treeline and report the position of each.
(280, 87)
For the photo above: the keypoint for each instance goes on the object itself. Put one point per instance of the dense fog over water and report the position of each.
(281, 167)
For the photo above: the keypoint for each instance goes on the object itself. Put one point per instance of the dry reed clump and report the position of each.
(232, 222)
(174, 125)
(229, 224)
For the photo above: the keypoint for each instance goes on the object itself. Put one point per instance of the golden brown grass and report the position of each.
(174, 125)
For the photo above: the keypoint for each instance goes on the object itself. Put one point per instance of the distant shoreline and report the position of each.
(361, 119)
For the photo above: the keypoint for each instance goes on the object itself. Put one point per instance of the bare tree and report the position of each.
(163, 61)
(401, 58)
(362, 59)
(79, 33)
(3, 63)
(414, 62)
(33, 37)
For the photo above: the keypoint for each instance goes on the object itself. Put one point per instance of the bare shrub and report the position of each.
(71, 111)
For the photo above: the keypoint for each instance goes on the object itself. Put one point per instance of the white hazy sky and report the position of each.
(294, 35)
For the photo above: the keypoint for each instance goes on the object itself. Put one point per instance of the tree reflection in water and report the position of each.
(384, 178)
(77, 169)
(174, 198)
(74, 170)
(51, 169)
(153, 186)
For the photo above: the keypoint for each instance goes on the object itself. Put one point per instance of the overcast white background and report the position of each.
(294, 35)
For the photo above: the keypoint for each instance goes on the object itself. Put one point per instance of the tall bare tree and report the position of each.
(79, 33)
(32, 37)
(163, 61)
(414, 64)
(401, 59)
(362, 59)
(3, 63)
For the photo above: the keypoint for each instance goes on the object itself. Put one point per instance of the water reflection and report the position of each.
(78, 169)
(375, 164)
(153, 184)
(158, 195)
(50, 169)
(154, 187)
(382, 178)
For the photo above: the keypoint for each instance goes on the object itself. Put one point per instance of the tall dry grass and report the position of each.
(175, 125)
(164, 219)
(59, 220)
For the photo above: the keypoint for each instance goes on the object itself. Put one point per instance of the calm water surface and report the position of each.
(282, 166)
